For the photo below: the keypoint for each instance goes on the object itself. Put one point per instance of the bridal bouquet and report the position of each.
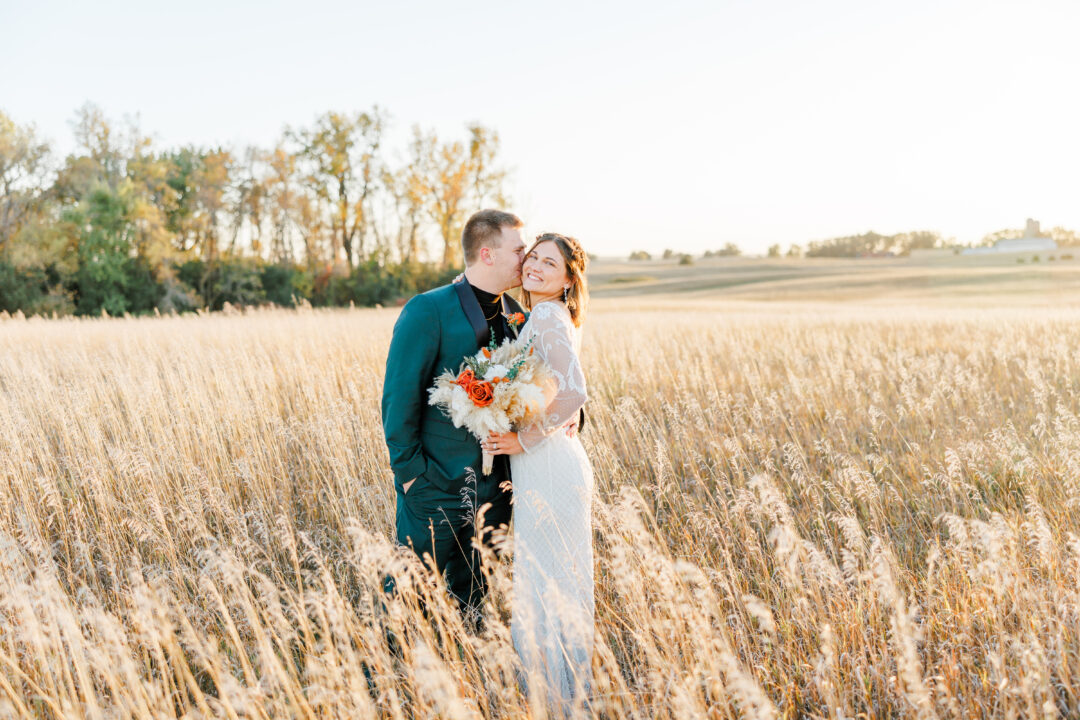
(495, 390)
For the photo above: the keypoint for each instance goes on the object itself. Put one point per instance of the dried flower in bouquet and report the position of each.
(494, 391)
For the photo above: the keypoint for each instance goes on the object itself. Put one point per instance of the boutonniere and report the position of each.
(516, 320)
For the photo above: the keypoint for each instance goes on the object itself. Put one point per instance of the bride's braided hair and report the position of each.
(577, 261)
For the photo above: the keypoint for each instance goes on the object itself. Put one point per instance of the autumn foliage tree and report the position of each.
(22, 179)
(458, 177)
(326, 214)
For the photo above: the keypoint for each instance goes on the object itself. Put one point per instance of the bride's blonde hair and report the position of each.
(577, 261)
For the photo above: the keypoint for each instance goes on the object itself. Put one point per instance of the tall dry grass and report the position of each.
(801, 513)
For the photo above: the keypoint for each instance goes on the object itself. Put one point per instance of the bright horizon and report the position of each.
(686, 126)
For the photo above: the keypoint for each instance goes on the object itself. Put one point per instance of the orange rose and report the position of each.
(487, 353)
(466, 378)
(517, 318)
(481, 393)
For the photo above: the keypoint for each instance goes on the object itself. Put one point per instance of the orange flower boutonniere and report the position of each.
(516, 320)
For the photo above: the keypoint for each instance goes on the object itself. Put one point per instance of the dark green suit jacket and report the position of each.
(433, 334)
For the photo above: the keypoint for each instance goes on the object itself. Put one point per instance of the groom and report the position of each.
(436, 494)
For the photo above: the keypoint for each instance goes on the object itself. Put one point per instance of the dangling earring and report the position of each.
(565, 292)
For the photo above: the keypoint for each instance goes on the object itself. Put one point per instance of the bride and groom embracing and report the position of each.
(542, 465)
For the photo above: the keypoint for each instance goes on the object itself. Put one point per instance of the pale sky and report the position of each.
(629, 125)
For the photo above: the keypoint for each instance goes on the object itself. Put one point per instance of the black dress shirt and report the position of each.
(492, 307)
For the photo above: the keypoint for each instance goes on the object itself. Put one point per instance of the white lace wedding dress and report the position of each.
(552, 605)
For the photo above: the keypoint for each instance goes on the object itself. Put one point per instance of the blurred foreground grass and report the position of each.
(804, 511)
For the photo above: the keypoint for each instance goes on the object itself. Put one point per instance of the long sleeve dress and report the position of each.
(552, 605)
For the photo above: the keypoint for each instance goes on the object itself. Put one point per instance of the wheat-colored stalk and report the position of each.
(802, 511)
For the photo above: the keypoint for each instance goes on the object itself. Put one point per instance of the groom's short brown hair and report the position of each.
(482, 229)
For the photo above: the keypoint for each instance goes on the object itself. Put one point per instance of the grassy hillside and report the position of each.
(967, 280)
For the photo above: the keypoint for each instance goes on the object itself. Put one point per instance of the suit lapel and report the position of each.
(475, 315)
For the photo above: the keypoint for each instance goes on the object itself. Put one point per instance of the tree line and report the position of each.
(872, 244)
(869, 244)
(329, 215)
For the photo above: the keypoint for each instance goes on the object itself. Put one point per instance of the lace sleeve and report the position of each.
(554, 344)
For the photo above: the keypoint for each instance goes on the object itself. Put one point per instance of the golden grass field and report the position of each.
(804, 510)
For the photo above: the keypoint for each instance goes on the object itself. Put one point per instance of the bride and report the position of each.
(552, 605)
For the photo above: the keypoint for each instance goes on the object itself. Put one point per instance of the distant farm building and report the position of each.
(1032, 241)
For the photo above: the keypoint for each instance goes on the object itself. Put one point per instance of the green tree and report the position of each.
(20, 289)
(105, 235)
(774, 251)
(199, 180)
